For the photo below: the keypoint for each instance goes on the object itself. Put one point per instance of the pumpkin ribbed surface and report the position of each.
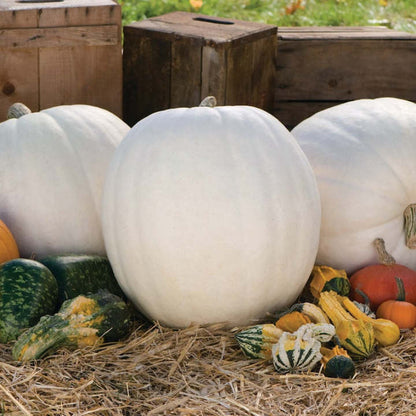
(52, 168)
(210, 214)
(363, 154)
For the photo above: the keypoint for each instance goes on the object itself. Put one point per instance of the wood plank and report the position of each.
(15, 14)
(87, 75)
(60, 37)
(344, 70)
(146, 75)
(18, 79)
(185, 88)
(291, 113)
(214, 75)
(352, 33)
(251, 73)
(76, 14)
(211, 30)
(9, 19)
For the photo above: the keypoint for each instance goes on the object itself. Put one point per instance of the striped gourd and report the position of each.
(294, 353)
(257, 341)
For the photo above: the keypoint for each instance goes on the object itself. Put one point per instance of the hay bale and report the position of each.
(199, 371)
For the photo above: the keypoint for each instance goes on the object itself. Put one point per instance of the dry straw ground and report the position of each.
(200, 371)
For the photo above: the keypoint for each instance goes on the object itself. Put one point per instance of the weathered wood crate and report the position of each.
(179, 58)
(61, 52)
(318, 67)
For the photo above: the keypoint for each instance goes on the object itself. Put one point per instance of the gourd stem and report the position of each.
(364, 296)
(401, 294)
(409, 215)
(17, 110)
(383, 256)
(209, 101)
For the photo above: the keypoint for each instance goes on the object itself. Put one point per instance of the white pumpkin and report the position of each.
(363, 154)
(210, 215)
(52, 169)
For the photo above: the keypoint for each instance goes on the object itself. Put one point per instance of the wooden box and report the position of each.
(177, 59)
(318, 67)
(60, 52)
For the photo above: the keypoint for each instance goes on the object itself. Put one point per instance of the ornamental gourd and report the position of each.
(210, 214)
(363, 154)
(52, 168)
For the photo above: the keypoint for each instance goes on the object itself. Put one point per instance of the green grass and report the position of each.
(395, 14)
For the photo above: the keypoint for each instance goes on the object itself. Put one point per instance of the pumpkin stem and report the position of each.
(409, 215)
(383, 256)
(364, 296)
(17, 110)
(209, 101)
(401, 294)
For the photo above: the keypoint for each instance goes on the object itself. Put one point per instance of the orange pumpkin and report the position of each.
(399, 311)
(377, 281)
(8, 246)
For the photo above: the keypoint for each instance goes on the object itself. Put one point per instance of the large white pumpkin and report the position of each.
(52, 169)
(364, 157)
(210, 215)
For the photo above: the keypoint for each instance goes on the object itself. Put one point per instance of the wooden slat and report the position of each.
(254, 63)
(81, 75)
(209, 29)
(60, 37)
(351, 33)
(214, 76)
(18, 79)
(323, 70)
(291, 113)
(74, 13)
(185, 84)
(14, 14)
(146, 75)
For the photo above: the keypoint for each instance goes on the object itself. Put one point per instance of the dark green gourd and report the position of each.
(81, 274)
(28, 290)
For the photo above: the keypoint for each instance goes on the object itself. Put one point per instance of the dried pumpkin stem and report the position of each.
(17, 110)
(209, 101)
(383, 256)
(409, 215)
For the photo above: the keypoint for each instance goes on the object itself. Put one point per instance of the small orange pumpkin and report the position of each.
(399, 311)
(8, 246)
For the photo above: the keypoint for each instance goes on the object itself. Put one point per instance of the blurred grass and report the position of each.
(395, 14)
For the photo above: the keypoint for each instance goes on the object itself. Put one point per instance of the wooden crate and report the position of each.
(318, 67)
(62, 52)
(179, 58)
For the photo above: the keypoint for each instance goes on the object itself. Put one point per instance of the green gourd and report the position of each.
(82, 321)
(28, 290)
(81, 274)
(257, 341)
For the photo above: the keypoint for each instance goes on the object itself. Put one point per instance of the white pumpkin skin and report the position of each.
(210, 215)
(363, 154)
(52, 169)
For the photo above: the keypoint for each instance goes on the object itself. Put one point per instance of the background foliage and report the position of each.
(395, 14)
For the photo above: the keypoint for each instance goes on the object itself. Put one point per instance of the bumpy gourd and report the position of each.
(363, 154)
(82, 321)
(325, 278)
(52, 169)
(210, 215)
